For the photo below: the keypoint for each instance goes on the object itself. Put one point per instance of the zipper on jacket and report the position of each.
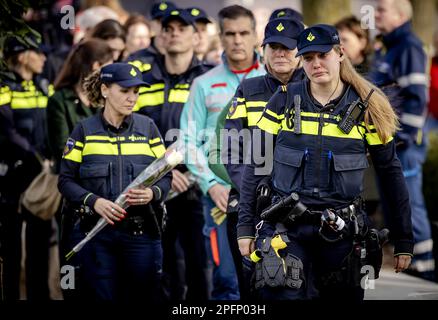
(119, 149)
(318, 154)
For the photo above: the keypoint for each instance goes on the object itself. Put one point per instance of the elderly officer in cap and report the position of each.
(103, 155)
(282, 67)
(316, 237)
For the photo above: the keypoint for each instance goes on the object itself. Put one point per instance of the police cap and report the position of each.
(124, 74)
(284, 31)
(317, 38)
(286, 12)
(161, 8)
(178, 14)
(13, 45)
(198, 15)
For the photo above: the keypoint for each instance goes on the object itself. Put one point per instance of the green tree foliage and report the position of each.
(13, 24)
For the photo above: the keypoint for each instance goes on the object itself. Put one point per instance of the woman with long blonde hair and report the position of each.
(314, 239)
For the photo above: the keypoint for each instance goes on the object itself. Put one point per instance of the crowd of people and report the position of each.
(280, 134)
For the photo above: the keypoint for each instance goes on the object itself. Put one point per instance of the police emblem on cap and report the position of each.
(174, 13)
(195, 12)
(233, 107)
(280, 14)
(133, 72)
(280, 27)
(163, 6)
(335, 37)
(310, 37)
(68, 146)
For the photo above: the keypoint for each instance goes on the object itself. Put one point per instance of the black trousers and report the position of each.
(184, 255)
(10, 250)
(38, 234)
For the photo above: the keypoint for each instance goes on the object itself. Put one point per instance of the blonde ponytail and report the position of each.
(379, 112)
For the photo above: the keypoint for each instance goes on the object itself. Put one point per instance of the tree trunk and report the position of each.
(323, 11)
(424, 20)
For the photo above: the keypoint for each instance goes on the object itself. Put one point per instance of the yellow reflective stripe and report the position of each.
(328, 130)
(332, 130)
(136, 149)
(42, 101)
(149, 99)
(182, 86)
(373, 139)
(79, 144)
(180, 96)
(251, 104)
(314, 114)
(155, 140)
(240, 112)
(51, 90)
(240, 99)
(273, 114)
(104, 138)
(140, 65)
(25, 94)
(74, 155)
(269, 126)
(100, 148)
(24, 103)
(254, 117)
(159, 150)
(153, 87)
(5, 98)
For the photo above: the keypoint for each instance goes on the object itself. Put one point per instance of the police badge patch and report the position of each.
(68, 146)
(233, 107)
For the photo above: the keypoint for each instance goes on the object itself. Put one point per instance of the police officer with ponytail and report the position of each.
(102, 156)
(315, 232)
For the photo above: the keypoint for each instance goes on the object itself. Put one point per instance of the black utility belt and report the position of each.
(290, 209)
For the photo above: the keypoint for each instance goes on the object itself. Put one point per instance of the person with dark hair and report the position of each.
(102, 156)
(138, 34)
(171, 77)
(356, 42)
(69, 104)
(305, 226)
(114, 35)
(23, 139)
(209, 95)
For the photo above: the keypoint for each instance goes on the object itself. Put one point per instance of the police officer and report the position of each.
(282, 67)
(144, 59)
(102, 156)
(320, 235)
(399, 68)
(23, 141)
(201, 21)
(171, 78)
